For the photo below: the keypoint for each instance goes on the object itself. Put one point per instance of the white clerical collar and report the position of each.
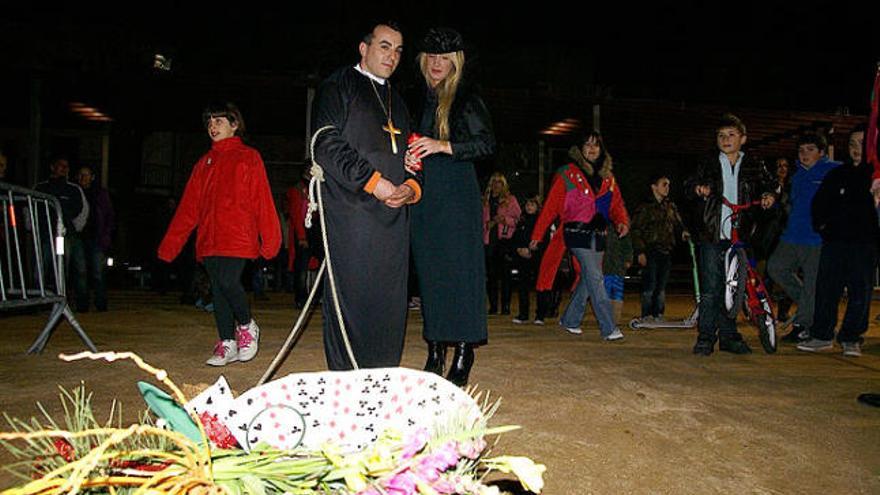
(363, 71)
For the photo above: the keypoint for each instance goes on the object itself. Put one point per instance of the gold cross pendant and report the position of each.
(392, 132)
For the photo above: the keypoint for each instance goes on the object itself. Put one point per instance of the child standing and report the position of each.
(655, 226)
(618, 258)
(730, 174)
(228, 200)
(525, 260)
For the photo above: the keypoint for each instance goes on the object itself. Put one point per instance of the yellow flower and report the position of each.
(529, 473)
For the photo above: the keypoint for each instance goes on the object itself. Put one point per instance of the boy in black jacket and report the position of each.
(844, 215)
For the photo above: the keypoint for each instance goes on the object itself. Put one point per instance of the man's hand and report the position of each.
(685, 236)
(533, 245)
(303, 243)
(622, 230)
(643, 260)
(524, 252)
(703, 191)
(402, 195)
(384, 189)
(767, 200)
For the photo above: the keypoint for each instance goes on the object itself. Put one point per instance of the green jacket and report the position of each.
(618, 252)
(655, 226)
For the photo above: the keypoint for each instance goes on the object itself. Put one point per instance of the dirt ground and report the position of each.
(640, 416)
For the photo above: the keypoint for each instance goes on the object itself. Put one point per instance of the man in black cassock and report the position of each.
(364, 196)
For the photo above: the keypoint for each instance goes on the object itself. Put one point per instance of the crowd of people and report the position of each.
(399, 178)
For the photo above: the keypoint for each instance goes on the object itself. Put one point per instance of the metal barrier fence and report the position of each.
(32, 265)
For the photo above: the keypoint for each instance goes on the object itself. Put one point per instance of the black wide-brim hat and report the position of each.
(442, 40)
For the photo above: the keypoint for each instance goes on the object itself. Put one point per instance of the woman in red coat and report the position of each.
(227, 198)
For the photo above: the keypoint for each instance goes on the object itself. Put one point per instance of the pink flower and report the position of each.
(415, 443)
(431, 465)
(472, 449)
(401, 484)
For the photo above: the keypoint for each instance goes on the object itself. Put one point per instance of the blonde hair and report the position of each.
(505, 189)
(446, 90)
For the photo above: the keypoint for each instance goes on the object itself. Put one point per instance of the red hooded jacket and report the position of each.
(229, 200)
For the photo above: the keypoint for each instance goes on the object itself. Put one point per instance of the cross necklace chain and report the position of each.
(389, 127)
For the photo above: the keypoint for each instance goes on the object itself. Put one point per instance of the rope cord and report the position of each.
(314, 191)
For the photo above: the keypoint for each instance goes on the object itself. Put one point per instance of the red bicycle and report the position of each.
(744, 286)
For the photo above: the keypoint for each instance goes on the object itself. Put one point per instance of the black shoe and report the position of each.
(505, 311)
(461, 364)
(704, 347)
(734, 346)
(493, 310)
(872, 400)
(797, 335)
(436, 358)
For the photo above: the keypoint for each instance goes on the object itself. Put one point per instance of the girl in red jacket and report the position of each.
(228, 199)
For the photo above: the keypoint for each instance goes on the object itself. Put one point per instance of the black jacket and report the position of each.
(470, 124)
(705, 214)
(843, 207)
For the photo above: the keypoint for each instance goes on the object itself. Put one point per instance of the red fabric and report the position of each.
(550, 264)
(228, 199)
(554, 207)
(871, 137)
(297, 206)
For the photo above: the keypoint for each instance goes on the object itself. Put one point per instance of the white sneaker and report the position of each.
(851, 349)
(248, 339)
(615, 335)
(538, 322)
(816, 345)
(225, 352)
(573, 331)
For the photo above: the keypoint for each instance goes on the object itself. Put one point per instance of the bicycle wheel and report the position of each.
(767, 328)
(735, 271)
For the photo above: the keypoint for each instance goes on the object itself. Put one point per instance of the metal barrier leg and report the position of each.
(68, 313)
(40, 342)
(58, 310)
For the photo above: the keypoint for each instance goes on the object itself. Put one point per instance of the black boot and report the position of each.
(461, 364)
(436, 357)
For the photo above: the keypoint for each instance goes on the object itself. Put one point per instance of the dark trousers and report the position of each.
(527, 269)
(498, 275)
(713, 320)
(230, 301)
(87, 263)
(654, 278)
(844, 265)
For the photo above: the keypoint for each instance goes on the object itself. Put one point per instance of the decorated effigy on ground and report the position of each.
(367, 432)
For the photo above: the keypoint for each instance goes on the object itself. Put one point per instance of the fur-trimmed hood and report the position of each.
(604, 171)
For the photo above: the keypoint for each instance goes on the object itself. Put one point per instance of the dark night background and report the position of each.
(661, 73)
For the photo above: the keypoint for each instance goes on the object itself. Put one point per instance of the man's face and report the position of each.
(809, 154)
(219, 128)
(661, 188)
(382, 55)
(60, 168)
(730, 140)
(85, 177)
(855, 146)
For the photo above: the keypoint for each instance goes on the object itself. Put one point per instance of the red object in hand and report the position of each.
(412, 137)
(218, 432)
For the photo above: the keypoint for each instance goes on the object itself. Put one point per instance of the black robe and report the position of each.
(447, 225)
(369, 242)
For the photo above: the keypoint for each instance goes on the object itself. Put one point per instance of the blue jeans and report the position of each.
(713, 321)
(654, 278)
(592, 285)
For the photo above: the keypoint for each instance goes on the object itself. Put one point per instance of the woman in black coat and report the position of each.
(447, 231)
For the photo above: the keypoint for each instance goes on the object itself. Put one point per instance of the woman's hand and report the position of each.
(425, 146)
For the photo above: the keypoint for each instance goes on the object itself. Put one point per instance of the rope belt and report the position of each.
(314, 192)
